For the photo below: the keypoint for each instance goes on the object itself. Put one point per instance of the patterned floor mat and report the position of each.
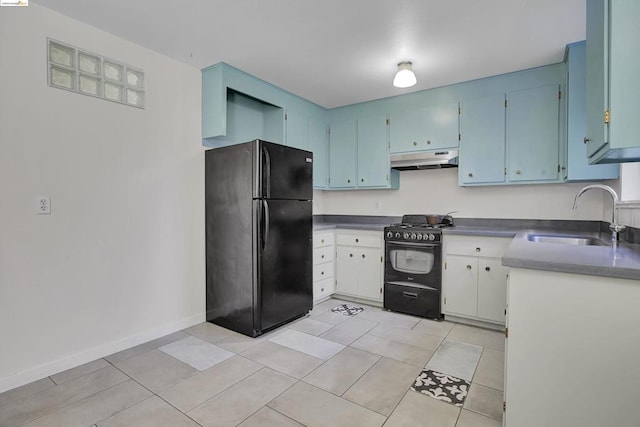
(347, 309)
(442, 387)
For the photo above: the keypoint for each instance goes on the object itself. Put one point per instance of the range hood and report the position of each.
(426, 160)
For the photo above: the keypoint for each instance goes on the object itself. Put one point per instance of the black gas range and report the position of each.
(413, 265)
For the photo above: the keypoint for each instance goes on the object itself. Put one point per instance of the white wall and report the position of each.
(437, 191)
(121, 258)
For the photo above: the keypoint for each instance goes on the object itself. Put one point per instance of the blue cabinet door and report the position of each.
(533, 134)
(597, 74)
(343, 140)
(482, 143)
(373, 152)
(426, 128)
(317, 132)
(578, 167)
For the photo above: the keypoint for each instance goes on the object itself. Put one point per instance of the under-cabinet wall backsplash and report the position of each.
(629, 213)
(437, 191)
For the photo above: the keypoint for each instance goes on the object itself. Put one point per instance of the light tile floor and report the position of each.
(326, 369)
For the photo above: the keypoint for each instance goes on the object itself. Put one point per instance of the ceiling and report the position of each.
(340, 52)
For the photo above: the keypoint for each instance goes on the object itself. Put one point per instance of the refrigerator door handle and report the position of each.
(266, 183)
(265, 227)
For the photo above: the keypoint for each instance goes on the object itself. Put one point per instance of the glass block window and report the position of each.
(85, 72)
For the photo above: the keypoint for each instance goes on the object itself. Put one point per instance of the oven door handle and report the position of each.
(415, 245)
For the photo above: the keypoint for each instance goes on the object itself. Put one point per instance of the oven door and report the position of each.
(417, 263)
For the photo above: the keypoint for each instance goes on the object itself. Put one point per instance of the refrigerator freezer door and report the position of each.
(285, 261)
(285, 172)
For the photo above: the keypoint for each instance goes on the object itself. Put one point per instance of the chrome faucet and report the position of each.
(614, 226)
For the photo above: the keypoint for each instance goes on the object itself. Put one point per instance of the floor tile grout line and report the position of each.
(284, 415)
(65, 405)
(267, 404)
(365, 373)
(59, 408)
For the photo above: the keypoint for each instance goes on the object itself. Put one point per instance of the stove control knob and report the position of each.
(432, 237)
(413, 236)
(425, 236)
(389, 234)
(419, 236)
(397, 235)
(406, 236)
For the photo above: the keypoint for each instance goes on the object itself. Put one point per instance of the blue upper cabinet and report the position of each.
(343, 154)
(373, 152)
(613, 66)
(425, 128)
(577, 165)
(359, 151)
(319, 144)
(482, 143)
(311, 135)
(533, 134)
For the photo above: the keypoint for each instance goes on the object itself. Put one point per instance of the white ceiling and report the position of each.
(340, 52)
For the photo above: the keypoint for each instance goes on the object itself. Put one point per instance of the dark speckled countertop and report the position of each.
(617, 261)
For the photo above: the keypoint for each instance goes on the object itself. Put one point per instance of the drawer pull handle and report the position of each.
(351, 255)
(415, 143)
(322, 256)
(487, 269)
(322, 241)
(348, 181)
(410, 294)
(468, 267)
(477, 249)
(322, 289)
(470, 175)
(322, 273)
(586, 140)
(362, 255)
(428, 142)
(357, 240)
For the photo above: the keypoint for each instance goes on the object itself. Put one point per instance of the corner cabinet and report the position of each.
(613, 67)
(474, 280)
(323, 265)
(426, 128)
(359, 154)
(359, 264)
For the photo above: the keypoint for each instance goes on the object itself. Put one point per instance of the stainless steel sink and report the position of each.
(565, 239)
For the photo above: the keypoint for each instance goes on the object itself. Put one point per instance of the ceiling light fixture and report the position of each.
(405, 76)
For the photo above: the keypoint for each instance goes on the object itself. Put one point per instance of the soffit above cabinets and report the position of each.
(336, 52)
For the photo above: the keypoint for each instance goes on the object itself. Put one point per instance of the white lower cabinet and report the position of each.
(474, 280)
(323, 264)
(359, 264)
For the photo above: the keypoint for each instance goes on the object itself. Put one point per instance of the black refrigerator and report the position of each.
(258, 198)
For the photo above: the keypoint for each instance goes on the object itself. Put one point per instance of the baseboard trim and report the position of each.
(90, 354)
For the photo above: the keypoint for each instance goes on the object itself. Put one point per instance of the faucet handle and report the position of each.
(617, 228)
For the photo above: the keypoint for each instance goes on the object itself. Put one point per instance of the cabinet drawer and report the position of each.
(321, 239)
(323, 288)
(323, 271)
(359, 240)
(492, 247)
(324, 254)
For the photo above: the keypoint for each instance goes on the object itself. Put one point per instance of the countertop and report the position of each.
(616, 261)
(619, 261)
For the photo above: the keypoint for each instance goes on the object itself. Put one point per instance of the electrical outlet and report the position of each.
(43, 205)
